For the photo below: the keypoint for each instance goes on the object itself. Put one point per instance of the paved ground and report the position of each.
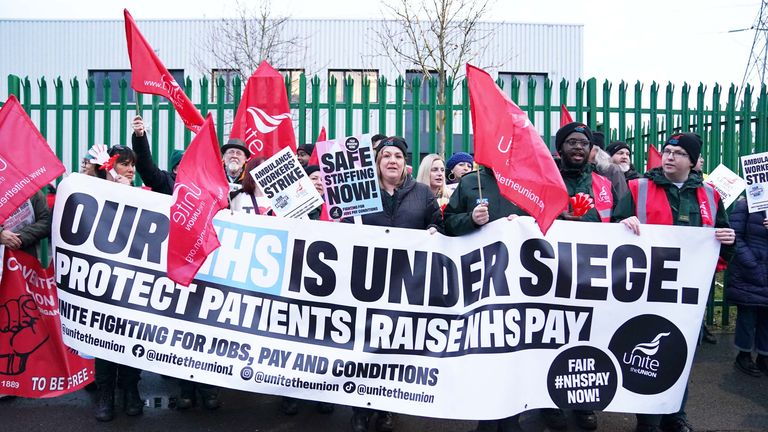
(722, 399)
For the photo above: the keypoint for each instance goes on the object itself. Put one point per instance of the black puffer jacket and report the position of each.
(415, 207)
(748, 270)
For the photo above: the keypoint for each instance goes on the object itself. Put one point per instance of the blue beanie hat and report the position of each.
(457, 158)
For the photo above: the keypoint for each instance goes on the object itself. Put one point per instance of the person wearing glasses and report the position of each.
(674, 194)
(234, 155)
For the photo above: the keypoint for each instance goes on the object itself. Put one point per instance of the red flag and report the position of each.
(27, 163)
(149, 75)
(507, 142)
(201, 188)
(654, 158)
(565, 116)
(31, 346)
(313, 160)
(263, 119)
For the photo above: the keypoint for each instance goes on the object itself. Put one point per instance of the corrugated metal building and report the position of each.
(97, 49)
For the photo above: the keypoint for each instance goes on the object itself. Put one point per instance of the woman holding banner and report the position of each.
(119, 168)
(407, 204)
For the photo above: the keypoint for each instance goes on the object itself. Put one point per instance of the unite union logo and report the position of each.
(261, 123)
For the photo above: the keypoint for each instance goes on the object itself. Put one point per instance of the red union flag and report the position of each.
(263, 119)
(654, 158)
(313, 159)
(149, 75)
(199, 193)
(31, 348)
(565, 116)
(27, 163)
(507, 142)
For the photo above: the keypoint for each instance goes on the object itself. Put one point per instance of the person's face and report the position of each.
(675, 163)
(699, 163)
(303, 157)
(621, 157)
(460, 169)
(576, 150)
(234, 159)
(317, 181)
(437, 174)
(392, 164)
(87, 168)
(125, 169)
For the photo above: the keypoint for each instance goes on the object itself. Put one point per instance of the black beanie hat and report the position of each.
(309, 169)
(568, 129)
(616, 146)
(598, 140)
(306, 148)
(393, 141)
(691, 142)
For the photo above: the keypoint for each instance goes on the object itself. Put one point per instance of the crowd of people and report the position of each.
(456, 197)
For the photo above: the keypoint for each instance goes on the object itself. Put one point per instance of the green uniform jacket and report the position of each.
(683, 201)
(580, 180)
(458, 212)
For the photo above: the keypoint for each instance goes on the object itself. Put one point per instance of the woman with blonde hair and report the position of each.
(432, 173)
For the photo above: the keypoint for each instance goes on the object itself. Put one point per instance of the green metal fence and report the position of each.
(730, 125)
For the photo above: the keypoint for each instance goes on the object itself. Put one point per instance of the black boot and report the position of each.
(186, 399)
(105, 404)
(210, 397)
(745, 364)
(134, 404)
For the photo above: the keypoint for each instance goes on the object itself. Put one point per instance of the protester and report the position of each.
(304, 152)
(674, 195)
(621, 155)
(156, 179)
(458, 165)
(27, 226)
(376, 139)
(86, 166)
(234, 154)
(313, 172)
(605, 166)
(465, 213)
(111, 375)
(707, 335)
(407, 204)
(432, 173)
(574, 143)
(747, 288)
(250, 198)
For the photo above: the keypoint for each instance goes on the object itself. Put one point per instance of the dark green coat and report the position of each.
(580, 180)
(458, 212)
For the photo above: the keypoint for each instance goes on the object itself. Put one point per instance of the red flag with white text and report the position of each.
(654, 158)
(201, 189)
(263, 119)
(149, 75)
(507, 142)
(313, 159)
(565, 116)
(27, 163)
(34, 362)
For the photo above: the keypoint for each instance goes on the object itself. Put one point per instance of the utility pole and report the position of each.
(758, 57)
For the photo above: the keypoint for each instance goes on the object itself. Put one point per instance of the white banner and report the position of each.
(286, 184)
(755, 168)
(478, 327)
(727, 183)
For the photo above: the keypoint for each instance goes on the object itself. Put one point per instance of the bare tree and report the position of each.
(240, 44)
(436, 37)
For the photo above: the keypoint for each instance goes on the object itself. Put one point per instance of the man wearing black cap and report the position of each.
(621, 155)
(673, 195)
(234, 155)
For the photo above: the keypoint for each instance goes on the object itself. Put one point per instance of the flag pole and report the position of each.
(138, 106)
(479, 186)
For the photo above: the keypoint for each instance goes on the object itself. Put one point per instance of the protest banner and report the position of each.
(727, 183)
(34, 362)
(755, 169)
(479, 327)
(284, 182)
(348, 168)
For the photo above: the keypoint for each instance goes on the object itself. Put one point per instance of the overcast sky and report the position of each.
(662, 40)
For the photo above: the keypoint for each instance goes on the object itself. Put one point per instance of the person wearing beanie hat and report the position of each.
(304, 152)
(458, 165)
(86, 166)
(393, 141)
(621, 155)
(313, 172)
(157, 180)
(573, 128)
(673, 194)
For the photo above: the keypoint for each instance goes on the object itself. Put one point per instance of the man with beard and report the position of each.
(234, 155)
(621, 155)
(574, 144)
